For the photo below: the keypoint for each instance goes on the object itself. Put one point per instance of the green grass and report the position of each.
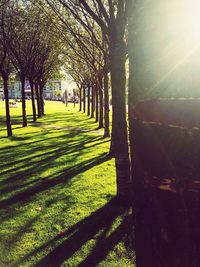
(57, 187)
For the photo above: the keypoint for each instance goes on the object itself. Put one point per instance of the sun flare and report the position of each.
(190, 19)
(168, 47)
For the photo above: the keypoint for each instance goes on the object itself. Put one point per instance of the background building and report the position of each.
(53, 90)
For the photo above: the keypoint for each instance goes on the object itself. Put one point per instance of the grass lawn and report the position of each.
(56, 194)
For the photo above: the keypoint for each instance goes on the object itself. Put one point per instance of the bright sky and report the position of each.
(168, 43)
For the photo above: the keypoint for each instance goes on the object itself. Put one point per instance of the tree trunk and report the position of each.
(172, 237)
(24, 124)
(8, 122)
(33, 101)
(41, 89)
(84, 100)
(97, 102)
(106, 106)
(38, 100)
(100, 102)
(74, 98)
(93, 101)
(88, 108)
(80, 99)
(112, 150)
(66, 98)
(119, 124)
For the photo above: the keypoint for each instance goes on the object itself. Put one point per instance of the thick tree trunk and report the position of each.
(88, 102)
(119, 124)
(24, 124)
(33, 101)
(84, 100)
(93, 101)
(112, 150)
(8, 122)
(172, 216)
(97, 102)
(112, 146)
(38, 100)
(80, 99)
(106, 106)
(41, 89)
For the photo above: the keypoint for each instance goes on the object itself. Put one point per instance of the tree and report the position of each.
(112, 19)
(48, 60)
(86, 38)
(20, 44)
(6, 67)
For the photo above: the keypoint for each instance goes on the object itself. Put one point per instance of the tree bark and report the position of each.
(66, 98)
(106, 106)
(88, 97)
(33, 101)
(97, 102)
(38, 100)
(74, 98)
(112, 150)
(24, 124)
(100, 102)
(93, 101)
(80, 99)
(119, 124)
(84, 100)
(41, 89)
(8, 122)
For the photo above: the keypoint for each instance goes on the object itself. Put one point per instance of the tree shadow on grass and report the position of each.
(59, 148)
(63, 177)
(95, 227)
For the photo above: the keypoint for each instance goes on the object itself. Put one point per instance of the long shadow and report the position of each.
(70, 134)
(47, 184)
(15, 173)
(106, 244)
(67, 148)
(97, 225)
(21, 175)
(93, 227)
(33, 142)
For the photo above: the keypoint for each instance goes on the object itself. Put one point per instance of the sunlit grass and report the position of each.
(57, 185)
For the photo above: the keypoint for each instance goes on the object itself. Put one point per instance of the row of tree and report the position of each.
(29, 50)
(90, 40)
(96, 36)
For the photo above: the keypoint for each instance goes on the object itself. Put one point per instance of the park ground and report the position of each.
(57, 189)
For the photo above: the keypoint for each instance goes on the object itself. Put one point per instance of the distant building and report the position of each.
(14, 90)
(52, 90)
